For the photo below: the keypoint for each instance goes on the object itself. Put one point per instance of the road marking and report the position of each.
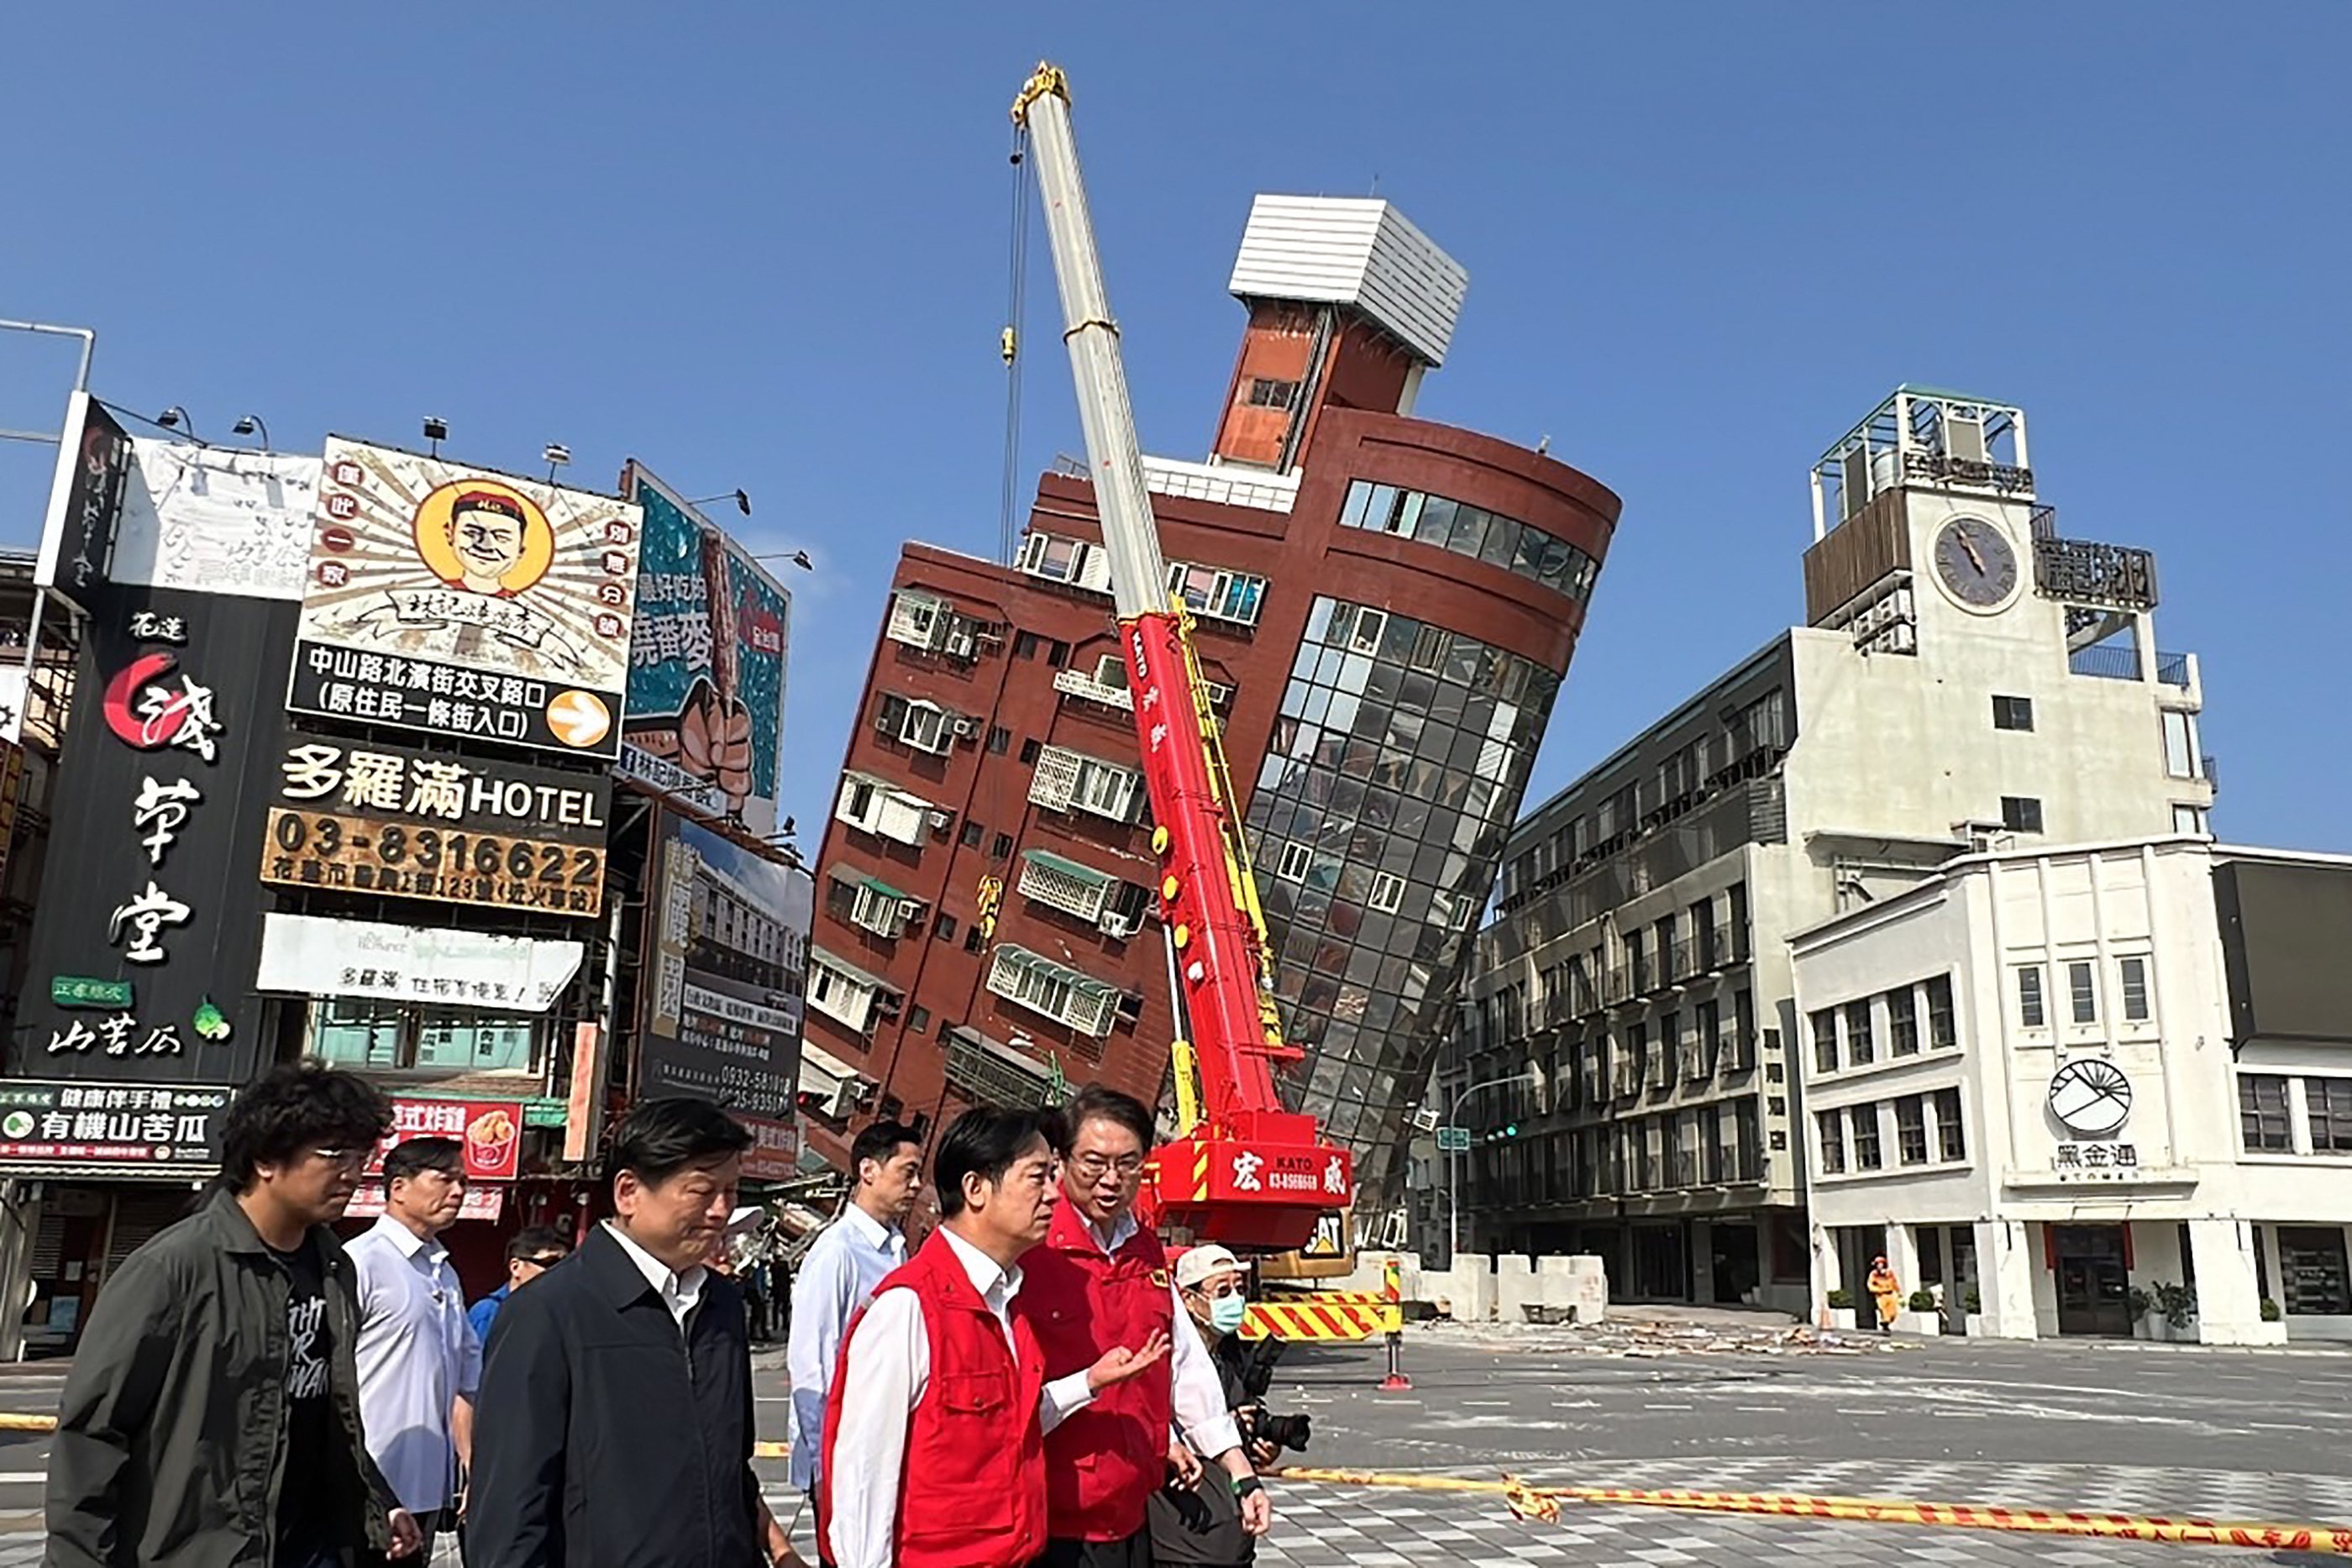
(1485, 1404)
(23, 1478)
(1658, 1407)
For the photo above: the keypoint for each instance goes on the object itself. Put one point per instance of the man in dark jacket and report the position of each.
(212, 1417)
(616, 1428)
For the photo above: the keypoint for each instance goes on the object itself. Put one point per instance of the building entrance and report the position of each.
(2094, 1281)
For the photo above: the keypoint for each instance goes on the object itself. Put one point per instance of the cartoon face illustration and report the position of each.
(485, 537)
(486, 532)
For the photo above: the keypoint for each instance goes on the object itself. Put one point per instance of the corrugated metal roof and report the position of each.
(1355, 251)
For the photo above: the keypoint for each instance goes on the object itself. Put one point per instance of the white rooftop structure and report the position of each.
(1356, 251)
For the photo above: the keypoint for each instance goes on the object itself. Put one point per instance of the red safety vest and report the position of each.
(971, 1491)
(1104, 1462)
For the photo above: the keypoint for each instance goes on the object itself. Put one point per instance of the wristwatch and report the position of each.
(1244, 1485)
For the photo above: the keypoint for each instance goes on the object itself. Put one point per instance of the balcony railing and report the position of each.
(2105, 661)
(2172, 669)
(2212, 766)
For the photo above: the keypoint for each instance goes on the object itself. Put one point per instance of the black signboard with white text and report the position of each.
(149, 880)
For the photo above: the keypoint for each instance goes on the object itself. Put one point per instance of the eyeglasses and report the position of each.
(1094, 1168)
(547, 1262)
(335, 1156)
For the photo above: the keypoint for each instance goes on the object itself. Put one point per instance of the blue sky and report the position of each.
(764, 245)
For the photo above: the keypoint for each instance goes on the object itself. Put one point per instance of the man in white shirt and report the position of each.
(942, 1380)
(840, 1272)
(419, 1359)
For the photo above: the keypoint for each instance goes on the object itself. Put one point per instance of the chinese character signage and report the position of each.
(707, 655)
(775, 1151)
(728, 955)
(309, 956)
(142, 958)
(126, 1129)
(489, 1130)
(2077, 571)
(469, 604)
(2081, 1160)
(479, 1202)
(216, 520)
(94, 461)
(400, 822)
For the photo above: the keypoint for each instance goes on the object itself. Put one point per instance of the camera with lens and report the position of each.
(1290, 1432)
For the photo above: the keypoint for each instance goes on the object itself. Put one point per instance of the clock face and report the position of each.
(2091, 1097)
(1975, 563)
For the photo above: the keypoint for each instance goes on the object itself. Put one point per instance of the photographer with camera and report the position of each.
(1195, 1520)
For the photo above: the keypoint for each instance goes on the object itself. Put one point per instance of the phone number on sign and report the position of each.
(363, 855)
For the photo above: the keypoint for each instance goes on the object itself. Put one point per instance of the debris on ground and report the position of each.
(1629, 1337)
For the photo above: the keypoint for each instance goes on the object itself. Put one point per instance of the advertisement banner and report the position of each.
(707, 664)
(216, 520)
(148, 901)
(141, 1129)
(775, 1151)
(729, 956)
(466, 603)
(85, 501)
(308, 956)
(408, 823)
(490, 1129)
(479, 1202)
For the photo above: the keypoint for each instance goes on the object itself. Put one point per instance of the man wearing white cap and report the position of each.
(1194, 1519)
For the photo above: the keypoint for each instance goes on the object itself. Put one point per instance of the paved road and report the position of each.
(2115, 1428)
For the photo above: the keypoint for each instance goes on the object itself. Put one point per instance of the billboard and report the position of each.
(728, 950)
(469, 604)
(94, 459)
(161, 1130)
(141, 968)
(216, 520)
(707, 664)
(408, 823)
(308, 956)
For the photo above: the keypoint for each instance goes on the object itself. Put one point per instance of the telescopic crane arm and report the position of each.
(1250, 1172)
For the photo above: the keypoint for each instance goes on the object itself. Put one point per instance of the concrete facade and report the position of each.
(1962, 683)
(2077, 1122)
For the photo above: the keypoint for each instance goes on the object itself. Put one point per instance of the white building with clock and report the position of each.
(2133, 1090)
(1971, 680)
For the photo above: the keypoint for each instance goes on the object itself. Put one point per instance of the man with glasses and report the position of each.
(1196, 1519)
(213, 1412)
(534, 1250)
(419, 1361)
(1101, 1280)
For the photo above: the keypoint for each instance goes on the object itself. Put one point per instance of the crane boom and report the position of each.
(1250, 1172)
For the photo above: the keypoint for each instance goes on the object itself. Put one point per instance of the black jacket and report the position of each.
(171, 1438)
(604, 1439)
(1202, 1523)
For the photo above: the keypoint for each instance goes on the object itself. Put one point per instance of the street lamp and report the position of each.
(1453, 1166)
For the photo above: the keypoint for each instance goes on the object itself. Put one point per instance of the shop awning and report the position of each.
(860, 975)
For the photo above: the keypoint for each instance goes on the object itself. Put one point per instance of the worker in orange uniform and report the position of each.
(1101, 1280)
(1887, 1292)
(934, 1431)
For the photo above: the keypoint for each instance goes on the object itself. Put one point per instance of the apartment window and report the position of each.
(1216, 594)
(1670, 1036)
(1743, 1031)
(1860, 1049)
(1710, 1037)
(999, 737)
(2134, 973)
(1902, 1022)
(943, 929)
(971, 835)
(1296, 858)
(2012, 713)
(2020, 813)
(2189, 820)
(976, 938)
(1863, 1121)
(1029, 750)
(919, 1018)
(1749, 1146)
(1941, 1032)
(2179, 744)
(1025, 645)
(1951, 1138)
(1057, 654)
(2263, 1115)
(1637, 1051)
(1911, 1130)
(2031, 1013)
(1388, 892)
(390, 1036)
(2083, 991)
(1264, 393)
(1825, 1041)
(1001, 846)
(1829, 1128)
(2329, 1102)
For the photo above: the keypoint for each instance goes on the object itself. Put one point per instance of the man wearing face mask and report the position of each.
(1195, 1519)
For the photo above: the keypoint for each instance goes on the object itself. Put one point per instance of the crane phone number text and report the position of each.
(363, 854)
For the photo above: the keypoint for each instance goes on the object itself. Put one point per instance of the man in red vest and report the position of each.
(1099, 1281)
(935, 1425)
